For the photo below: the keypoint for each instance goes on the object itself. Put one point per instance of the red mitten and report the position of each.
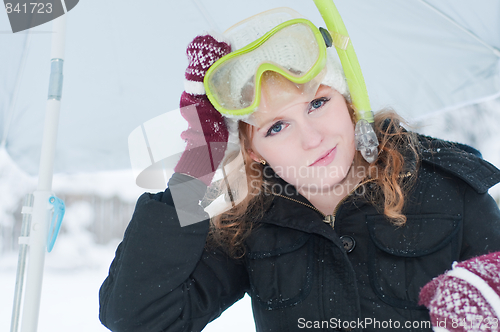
(207, 134)
(467, 297)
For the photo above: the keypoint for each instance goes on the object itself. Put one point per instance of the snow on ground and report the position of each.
(70, 294)
(76, 267)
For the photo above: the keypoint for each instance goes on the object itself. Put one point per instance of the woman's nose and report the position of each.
(310, 136)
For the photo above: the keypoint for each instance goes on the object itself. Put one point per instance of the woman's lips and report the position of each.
(325, 159)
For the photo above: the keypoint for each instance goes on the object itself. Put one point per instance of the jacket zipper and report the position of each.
(305, 204)
(330, 218)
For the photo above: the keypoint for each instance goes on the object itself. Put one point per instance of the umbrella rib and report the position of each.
(490, 47)
(150, 152)
(13, 101)
(206, 15)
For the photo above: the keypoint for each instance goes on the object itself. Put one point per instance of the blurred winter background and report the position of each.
(99, 206)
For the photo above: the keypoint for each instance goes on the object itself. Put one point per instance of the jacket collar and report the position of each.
(292, 210)
(295, 211)
(460, 160)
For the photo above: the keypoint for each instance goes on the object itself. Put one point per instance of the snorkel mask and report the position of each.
(294, 48)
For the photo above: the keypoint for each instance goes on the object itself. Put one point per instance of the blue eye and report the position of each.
(318, 103)
(275, 128)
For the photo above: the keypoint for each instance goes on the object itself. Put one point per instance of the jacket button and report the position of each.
(348, 242)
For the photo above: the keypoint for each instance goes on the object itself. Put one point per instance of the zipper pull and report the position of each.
(330, 219)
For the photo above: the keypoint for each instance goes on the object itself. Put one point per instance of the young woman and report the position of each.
(321, 236)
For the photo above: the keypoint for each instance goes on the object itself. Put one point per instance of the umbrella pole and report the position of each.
(40, 215)
(21, 262)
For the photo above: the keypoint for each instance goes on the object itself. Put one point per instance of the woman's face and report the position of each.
(307, 139)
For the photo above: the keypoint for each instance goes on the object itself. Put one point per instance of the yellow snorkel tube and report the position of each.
(348, 58)
(366, 139)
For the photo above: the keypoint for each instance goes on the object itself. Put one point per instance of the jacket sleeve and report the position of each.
(162, 278)
(481, 233)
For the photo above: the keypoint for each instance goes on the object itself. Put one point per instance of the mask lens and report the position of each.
(292, 51)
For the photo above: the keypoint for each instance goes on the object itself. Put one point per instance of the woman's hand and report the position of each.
(207, 134)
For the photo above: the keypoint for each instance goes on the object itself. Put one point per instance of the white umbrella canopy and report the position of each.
(125, 61)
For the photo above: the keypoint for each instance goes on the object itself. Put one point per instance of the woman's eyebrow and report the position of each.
(265, 124)
(263, 121)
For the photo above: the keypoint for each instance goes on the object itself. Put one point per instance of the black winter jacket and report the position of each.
(363, 275)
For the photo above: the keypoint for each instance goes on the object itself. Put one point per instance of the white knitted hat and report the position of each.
(291, 56)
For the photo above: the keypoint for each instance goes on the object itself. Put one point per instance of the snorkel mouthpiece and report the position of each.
(366, 140)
